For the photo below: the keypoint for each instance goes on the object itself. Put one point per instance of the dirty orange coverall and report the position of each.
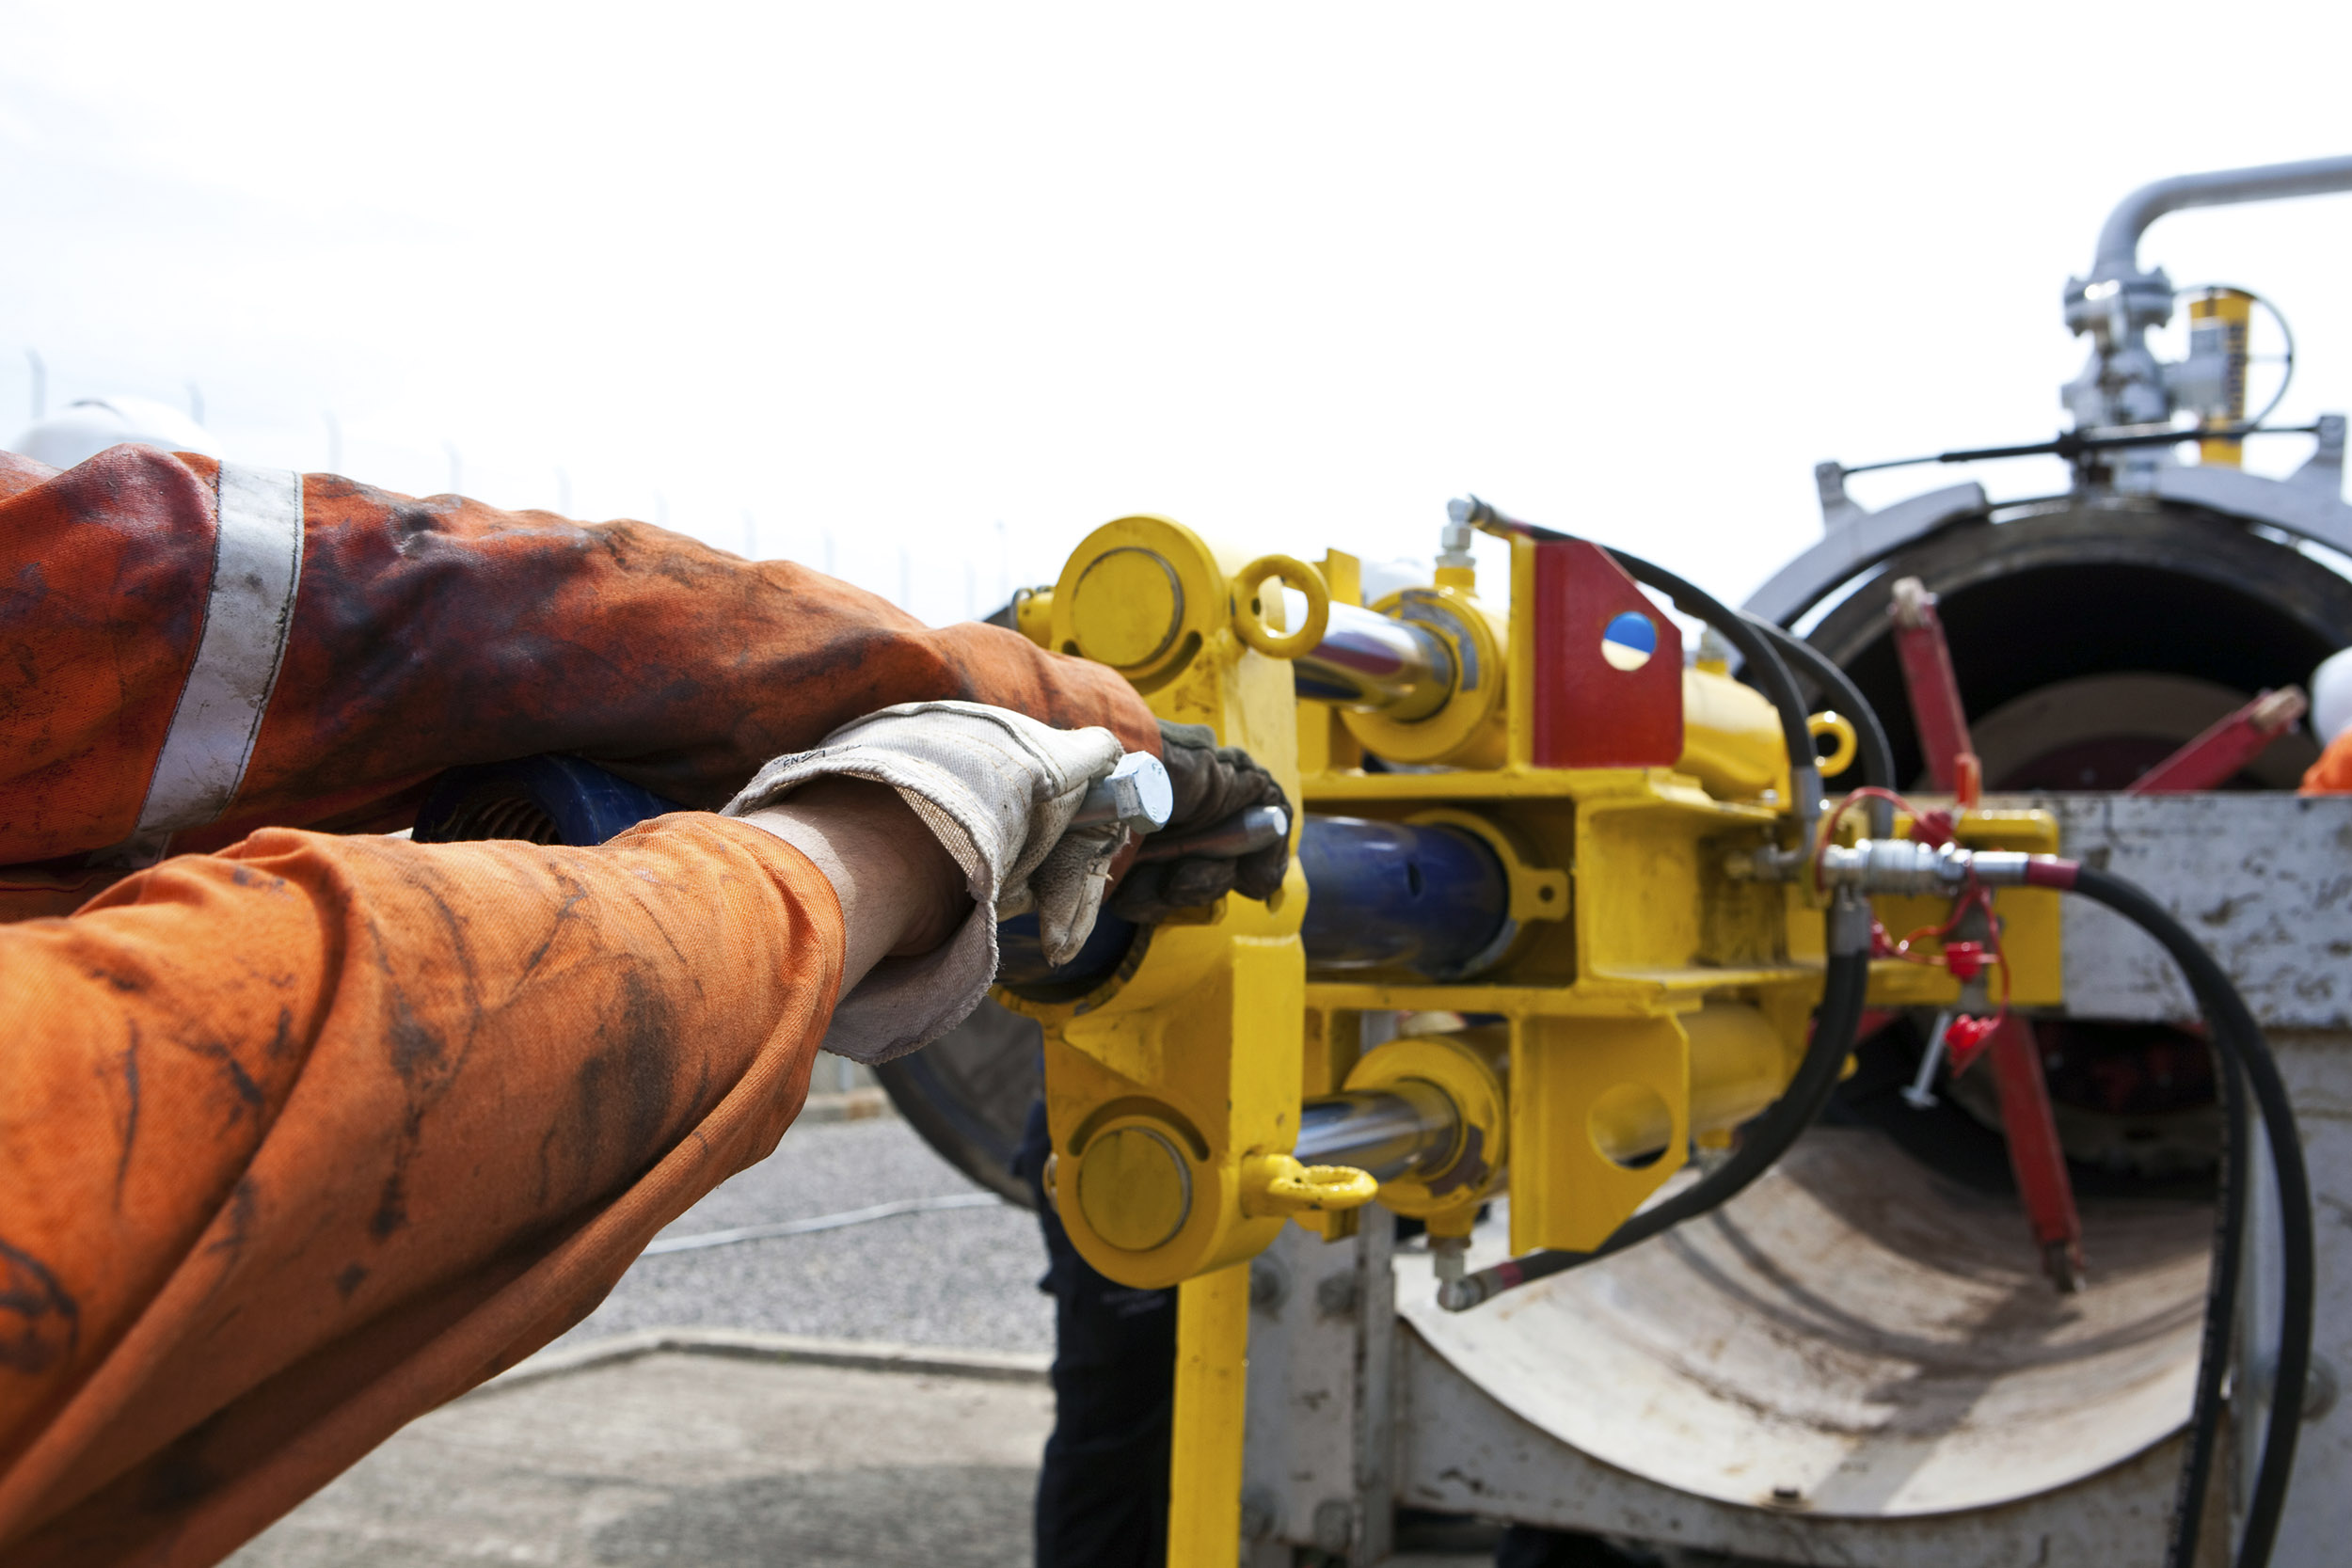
(305, 1136)
(2332, 773)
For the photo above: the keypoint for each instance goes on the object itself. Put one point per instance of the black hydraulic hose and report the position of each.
(1874, 753)
(2213, 1342)
(1763, 659)
(1767, 1139)
(2241, 1040)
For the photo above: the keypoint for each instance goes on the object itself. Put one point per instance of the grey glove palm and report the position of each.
(998, 791)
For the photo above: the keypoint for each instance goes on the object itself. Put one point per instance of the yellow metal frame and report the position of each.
(1629, 923)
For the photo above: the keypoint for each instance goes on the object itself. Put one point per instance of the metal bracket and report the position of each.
(2324, 471)
(1855, 538)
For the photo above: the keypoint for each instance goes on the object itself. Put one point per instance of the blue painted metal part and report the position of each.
(1382, 895)
(585, 804)
(1021, 956)
(1391, 895)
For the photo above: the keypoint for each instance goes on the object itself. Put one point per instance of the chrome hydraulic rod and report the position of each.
(1390, 1133)
(1373, 661)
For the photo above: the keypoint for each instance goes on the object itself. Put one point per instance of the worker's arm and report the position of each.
(300, 1140)
(2332, 773)
(428, 633)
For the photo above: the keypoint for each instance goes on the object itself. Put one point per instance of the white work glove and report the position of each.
(997, 789)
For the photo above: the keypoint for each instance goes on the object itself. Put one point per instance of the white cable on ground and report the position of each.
(823, 1222)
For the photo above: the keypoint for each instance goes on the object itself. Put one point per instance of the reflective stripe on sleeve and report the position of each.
(257, 563)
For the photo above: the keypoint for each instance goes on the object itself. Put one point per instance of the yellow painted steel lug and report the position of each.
(1277, 1184)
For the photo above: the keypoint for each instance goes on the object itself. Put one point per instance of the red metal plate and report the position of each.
(1589, 712)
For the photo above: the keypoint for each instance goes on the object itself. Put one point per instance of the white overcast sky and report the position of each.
(1290, 273)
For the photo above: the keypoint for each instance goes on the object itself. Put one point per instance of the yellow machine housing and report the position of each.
(1651, 997)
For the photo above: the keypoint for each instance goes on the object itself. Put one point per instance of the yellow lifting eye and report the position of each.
(1249, 615)
(1277, 1184)
(1838, 725)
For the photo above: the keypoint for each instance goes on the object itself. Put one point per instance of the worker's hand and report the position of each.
(1213, 784)
(997, 790)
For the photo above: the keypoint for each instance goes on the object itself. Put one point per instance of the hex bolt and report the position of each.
(1138, 795)
(1336, 1295)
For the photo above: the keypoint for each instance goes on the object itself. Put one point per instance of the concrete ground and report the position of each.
(693, 1460)
(711, 1462)
(585, 1459)
(966, 1278)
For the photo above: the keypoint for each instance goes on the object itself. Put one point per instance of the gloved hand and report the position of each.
(1211, 784)
(997, 790)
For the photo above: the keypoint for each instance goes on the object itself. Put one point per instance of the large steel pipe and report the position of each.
(1371, 662)
(2119, 240)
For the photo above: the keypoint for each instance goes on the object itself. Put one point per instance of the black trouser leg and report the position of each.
(1102, 1496)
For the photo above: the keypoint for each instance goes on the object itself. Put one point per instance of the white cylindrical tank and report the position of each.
(2331, 696)
(88, 426)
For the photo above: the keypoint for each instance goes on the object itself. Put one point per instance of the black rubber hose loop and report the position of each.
(2240, 1038)
(1767, 1138)
(1875, 753)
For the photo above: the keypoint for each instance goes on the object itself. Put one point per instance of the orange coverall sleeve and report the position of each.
(300, 1140)
(430, 633)
(2332, 773)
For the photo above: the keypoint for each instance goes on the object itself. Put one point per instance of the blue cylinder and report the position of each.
(1392, 895)
(1381, 895)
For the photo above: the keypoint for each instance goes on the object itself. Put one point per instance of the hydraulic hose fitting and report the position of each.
(1849, 925)
(1901, 866)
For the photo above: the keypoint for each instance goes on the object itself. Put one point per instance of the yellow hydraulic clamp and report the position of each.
(1592, 876)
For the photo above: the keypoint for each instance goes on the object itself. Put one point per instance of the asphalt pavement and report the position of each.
(696, 1459)
(963, 1277)
(693, 1460)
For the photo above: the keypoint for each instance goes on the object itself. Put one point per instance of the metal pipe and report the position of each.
(1390, 1133)
(1371, 662)
(2119, 242)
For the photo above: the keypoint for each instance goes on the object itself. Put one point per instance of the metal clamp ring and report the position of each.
(1249, 623)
